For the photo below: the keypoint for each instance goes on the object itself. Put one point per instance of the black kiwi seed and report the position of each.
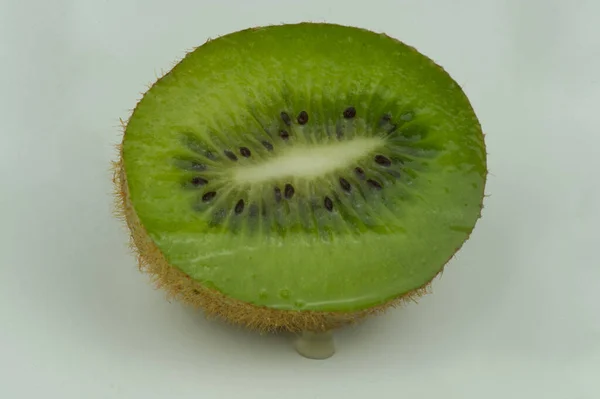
(230, 155)
(382, 160)
(245, 152)
(198, 181)
(349, 112)
(267, 145)
(328, 204)
(277, 194)
(210, 155)
(359, 172)
(345, 185)
(303, 118)
(239, 207)
(289, 191)
(209, 196)
(284, 134)
(286, 118)
(375, 184)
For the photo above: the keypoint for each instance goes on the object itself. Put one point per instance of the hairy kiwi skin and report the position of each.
(181, 287)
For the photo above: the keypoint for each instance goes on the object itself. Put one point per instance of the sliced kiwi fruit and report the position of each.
(300, 177)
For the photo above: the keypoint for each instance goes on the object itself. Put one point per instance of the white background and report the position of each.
(515, 315)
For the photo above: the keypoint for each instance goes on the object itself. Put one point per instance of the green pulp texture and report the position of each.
(231, 91)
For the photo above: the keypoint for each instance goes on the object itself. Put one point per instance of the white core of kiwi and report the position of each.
(308, 161)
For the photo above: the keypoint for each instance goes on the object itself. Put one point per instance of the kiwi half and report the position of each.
(300, 177)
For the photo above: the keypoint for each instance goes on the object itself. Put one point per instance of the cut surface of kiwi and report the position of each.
(287, 175)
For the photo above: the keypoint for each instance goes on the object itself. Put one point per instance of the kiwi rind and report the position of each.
(181, 287)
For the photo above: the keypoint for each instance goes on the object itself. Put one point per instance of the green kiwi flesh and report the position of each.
(306, 167)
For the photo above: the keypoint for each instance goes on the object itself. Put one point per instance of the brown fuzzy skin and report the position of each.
(181, 287)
